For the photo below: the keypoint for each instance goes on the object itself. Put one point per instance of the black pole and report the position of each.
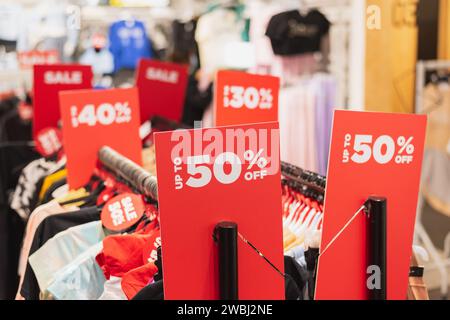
(377, 247)
(225, 234)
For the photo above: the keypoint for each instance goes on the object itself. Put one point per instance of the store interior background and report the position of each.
(375, 66)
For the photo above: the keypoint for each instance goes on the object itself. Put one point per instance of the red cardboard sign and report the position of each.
(27, 59)
(371, 154)
(92, 119)
(208, 176)
(48, 141)
(49, 80)
(162, 89)
(242, 98)
(122, 212)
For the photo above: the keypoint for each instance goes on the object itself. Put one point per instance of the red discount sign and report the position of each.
(162, 89)
(92, 119)
(242, 98)
(122, 212)
(371, 154)
(27, 59)
(224, 174)
(49, 80)
(49, 141)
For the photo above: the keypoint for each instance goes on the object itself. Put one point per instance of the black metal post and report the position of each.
(225, 234)
(377, 246)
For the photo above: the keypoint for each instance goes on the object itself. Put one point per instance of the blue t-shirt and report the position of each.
(128, 43)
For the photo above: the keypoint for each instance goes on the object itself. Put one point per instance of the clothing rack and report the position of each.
(309, 179)
(128, 170)
(440, 263)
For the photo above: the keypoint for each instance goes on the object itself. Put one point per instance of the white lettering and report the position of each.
(63, 77)
(162, 75)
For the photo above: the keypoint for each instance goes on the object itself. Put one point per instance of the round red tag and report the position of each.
(48, 141)
(122, 211)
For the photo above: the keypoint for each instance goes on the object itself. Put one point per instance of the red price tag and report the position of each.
(27, 59)
(223, 174)
(48, 141)
(49, 80)
(162, 89)
(122, 212)
(371, 154)
(92, 119)
(242, 98)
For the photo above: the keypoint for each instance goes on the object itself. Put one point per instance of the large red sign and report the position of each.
(242, 98)
(371, 154)
(162, 89)
(208, 176)
(49, 80)
(95, 118)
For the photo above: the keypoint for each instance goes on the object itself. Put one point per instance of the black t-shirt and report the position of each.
(48, 228)
(292, 33)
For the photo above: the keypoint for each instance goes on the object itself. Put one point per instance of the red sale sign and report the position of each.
(162, 89)
(242, 98)
(371, 154)
(208, 176)
(27, 59)
(95, 118)
(49, 80)
(122, 212)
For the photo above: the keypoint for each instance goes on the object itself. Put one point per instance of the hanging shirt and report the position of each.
(48, 228)
(215, 31)
(82, 279)
(292, 33)
(37, 216)
(10, 18)
(62, 249)
(297, 126)
(128, 43)
(26, 187)
(102, 62)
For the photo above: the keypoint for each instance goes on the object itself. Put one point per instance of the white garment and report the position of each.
(47, 26)
(10, 17)
(82, 279)
(102, 62)
(113, 290)
(215, 31)
(61, 250)
(260, 14)
(297, 126)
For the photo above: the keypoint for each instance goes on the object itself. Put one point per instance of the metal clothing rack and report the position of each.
(128, 170)
(307, 178)
(420, 233)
